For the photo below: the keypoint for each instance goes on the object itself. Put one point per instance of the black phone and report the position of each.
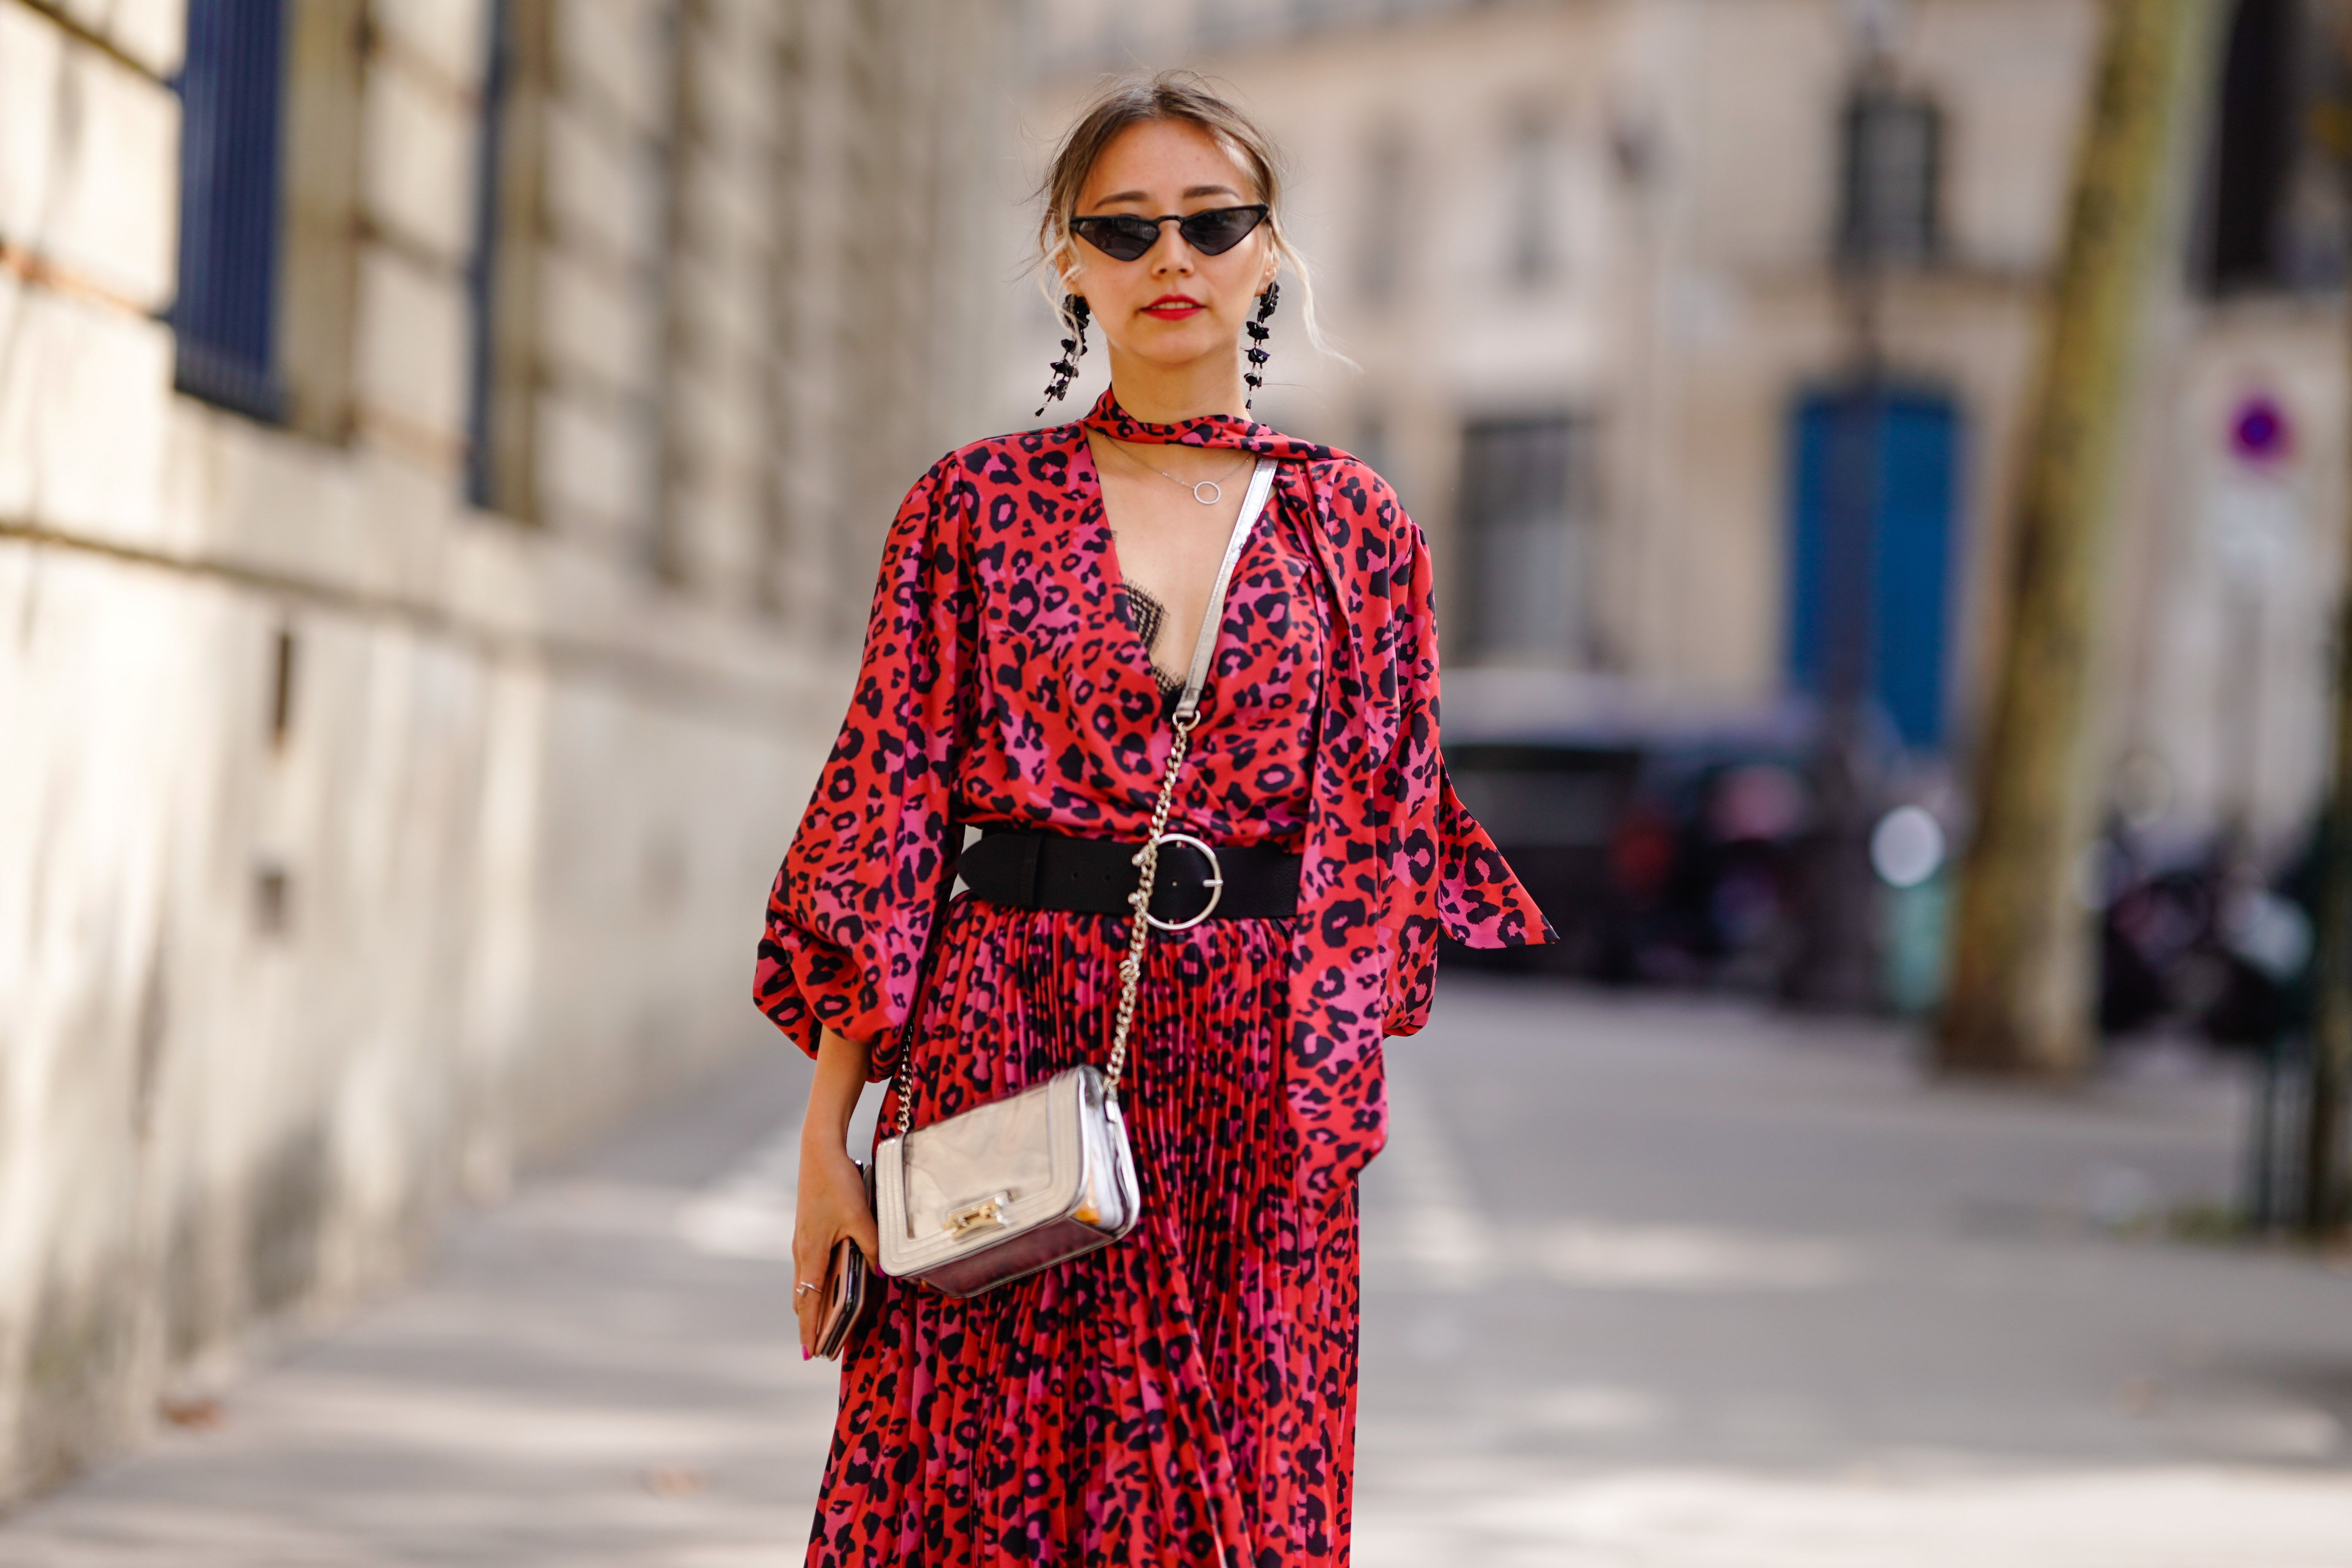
(848, 1290)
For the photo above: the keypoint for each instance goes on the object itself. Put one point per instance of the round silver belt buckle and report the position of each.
(1214, 882)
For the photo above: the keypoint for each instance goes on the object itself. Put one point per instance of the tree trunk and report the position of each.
(2331, 1035)
(2323, 1194)
(2019, 1000)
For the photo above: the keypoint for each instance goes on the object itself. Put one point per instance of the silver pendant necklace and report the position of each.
(1217, 492)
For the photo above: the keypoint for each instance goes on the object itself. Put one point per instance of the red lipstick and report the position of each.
(1175, 307)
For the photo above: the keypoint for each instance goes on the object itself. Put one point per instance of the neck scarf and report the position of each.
(1221, 431)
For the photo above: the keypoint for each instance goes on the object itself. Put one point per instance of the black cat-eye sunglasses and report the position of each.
(1124, 236)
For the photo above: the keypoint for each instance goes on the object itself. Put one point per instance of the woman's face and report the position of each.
(1170, 306)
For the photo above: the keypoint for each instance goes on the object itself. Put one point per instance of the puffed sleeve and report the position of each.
(1461, 884)
(852, 908)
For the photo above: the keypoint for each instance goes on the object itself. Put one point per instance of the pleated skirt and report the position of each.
(1184, 1396)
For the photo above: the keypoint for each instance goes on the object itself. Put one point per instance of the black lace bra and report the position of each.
(1145, 614)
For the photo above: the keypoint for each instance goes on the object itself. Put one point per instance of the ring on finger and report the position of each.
(802, 1288)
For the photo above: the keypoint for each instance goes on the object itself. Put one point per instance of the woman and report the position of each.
(1186, 1395)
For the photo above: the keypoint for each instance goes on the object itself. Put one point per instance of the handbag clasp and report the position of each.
(988, 1213)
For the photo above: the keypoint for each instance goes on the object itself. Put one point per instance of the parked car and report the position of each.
(1660, 848)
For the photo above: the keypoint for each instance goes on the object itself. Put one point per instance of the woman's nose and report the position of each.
(1172, 254)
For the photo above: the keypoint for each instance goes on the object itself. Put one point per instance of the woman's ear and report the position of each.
(1272, 265)
(1069, 266)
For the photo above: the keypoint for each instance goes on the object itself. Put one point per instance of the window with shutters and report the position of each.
(1533, 222)
(232, 91)
(2275, 217)
(268, 191)
(1527, 523)
(1382, 222)
(1890, 176)
(503, 274)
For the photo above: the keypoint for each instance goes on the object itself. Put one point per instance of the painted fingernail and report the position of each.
(805, 1352)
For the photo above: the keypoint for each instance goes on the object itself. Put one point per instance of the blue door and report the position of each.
(1870, 550)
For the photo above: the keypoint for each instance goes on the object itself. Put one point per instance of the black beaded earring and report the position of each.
(1255, 374)
(1073, 349)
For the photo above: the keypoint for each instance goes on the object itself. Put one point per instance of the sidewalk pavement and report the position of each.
(1648, 1282)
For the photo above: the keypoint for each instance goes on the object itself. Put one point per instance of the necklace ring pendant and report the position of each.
(1213, 498)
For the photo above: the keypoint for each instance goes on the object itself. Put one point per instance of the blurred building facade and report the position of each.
(444, 448)
(1618, 274)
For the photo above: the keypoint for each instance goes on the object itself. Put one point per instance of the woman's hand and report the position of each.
(831, 1205)
(831, 1202)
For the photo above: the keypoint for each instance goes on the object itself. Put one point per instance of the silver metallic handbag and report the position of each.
(1005, 1189)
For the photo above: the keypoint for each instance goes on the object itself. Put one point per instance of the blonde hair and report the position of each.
(1138, 100)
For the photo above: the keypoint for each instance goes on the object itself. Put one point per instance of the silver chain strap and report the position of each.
(1130, 968)
(1147, 860)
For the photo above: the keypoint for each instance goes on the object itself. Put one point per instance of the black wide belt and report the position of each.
(1097, 876)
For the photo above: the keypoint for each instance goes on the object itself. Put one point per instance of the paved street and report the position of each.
(1649, 1283)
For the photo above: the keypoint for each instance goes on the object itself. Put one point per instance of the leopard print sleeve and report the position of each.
(851, 910)
(1456, 881)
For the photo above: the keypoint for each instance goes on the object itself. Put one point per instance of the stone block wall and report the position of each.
(358, 845)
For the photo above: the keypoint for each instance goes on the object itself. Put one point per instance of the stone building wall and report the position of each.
(360, 844)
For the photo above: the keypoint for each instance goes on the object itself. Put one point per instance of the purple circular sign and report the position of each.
(2259, 431)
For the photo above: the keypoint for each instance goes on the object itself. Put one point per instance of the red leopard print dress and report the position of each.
(1188, 1395)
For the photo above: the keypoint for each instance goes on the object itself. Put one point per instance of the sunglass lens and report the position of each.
(1121, 239)
(1218, 230)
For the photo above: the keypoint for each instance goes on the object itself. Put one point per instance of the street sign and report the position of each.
(2261, 434)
